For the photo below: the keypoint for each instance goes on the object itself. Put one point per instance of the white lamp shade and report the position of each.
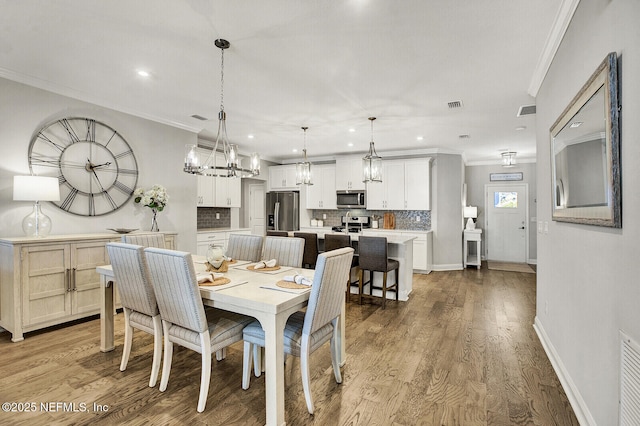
(470, 211)
(35, 188)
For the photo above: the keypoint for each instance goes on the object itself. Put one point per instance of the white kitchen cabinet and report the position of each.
(388, 194)
(417, 184)
(206, 184)
(405, 186)
(422, 246)
(219, 238)
(322, 194)
(349, 174)
(227, 190)
(282, 177)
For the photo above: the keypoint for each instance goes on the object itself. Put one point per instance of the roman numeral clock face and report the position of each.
(94, 164)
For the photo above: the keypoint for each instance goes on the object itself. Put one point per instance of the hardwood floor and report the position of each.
(461, 351)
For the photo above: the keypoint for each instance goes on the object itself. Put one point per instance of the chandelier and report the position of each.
(232, 166)
(303, 168)
(372, 163)
(508, 159)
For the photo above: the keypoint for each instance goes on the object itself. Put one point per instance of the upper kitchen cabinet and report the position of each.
(206, 186)
(405, 186)
(322, 194)
(227, 189)
(388, 194)
(282, 178)
(417, 184)
(349, 174)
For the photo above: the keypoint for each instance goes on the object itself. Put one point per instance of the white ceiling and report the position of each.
(325, 64)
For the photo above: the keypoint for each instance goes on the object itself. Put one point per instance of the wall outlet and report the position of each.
(324, 216)
(217, 215)
(418, 218)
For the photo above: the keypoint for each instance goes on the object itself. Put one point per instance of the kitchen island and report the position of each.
(399, 247)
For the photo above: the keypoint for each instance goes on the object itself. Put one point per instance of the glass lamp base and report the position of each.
(36, 224)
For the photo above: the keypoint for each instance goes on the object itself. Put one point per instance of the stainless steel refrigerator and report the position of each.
(283, 211)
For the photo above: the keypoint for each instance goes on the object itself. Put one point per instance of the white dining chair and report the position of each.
(184, 319)
(244, 247)
(151, 239)
(138, 301)
(307, 331)
(288, 251)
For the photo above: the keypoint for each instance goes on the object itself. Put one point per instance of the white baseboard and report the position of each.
(575, 399)
(448, 267)
(532, 261)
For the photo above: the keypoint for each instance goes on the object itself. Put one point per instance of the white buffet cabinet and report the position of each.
(219, 237)
(52, 280)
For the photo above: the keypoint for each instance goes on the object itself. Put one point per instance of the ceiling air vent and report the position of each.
(199, 117)
(526, 110)
(455, 104)
(464, 137)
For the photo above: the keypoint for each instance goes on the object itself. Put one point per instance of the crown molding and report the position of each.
(85, 97)
(558, 29)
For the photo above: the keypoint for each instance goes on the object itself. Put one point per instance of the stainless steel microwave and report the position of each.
(351, 199)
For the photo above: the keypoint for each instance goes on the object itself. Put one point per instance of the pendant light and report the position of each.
(303, 168)
(372, 163)
(508, 159)
(232, 166)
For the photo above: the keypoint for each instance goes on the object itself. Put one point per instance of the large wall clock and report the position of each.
(94, 164)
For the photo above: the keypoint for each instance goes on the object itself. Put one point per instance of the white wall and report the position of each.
(159, 151)
(447, 176)
(588, 287)
(476, 177)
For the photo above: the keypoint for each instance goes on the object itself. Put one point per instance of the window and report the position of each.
(505, 200)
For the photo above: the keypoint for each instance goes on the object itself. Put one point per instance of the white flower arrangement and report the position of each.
(155, 198)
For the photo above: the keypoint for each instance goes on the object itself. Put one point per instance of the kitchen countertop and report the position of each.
(222, 229)
(392, 239)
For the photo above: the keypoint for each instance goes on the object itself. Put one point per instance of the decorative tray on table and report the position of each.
(122, 230)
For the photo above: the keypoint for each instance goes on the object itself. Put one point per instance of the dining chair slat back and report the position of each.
(245, 247)
(184, 319)
(138, 300)
(152, 239)
(307, 331)
(288, 251)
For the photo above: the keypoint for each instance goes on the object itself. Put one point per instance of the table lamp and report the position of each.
(470, 213)
(36, 188)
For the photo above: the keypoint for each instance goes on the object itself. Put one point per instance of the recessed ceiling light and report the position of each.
(521, 128)
(419, 138)
(294, 150)
(143, 73)
(352, 130)
(576, 124)
(250, 136)
(350, 144)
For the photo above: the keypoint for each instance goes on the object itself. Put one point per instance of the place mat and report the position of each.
(290, 284)
(224, 267)
(216, 282)
(265, 269)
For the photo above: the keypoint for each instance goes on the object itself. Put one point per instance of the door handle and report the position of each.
(522, 227)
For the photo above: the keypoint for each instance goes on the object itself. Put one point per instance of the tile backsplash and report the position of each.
(405, 219)
(207, 217)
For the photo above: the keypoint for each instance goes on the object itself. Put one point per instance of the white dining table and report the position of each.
(251, 293)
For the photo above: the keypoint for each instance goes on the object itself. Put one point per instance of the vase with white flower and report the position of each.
(155, 198)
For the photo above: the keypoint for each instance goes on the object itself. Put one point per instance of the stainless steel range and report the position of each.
(353, 224)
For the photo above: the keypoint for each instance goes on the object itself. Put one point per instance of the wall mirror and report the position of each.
(585, 153)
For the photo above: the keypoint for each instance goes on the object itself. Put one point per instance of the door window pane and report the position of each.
(505, 200)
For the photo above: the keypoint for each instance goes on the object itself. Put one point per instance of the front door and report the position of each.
(506, 226)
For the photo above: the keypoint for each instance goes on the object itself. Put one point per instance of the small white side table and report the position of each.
(474, 235)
